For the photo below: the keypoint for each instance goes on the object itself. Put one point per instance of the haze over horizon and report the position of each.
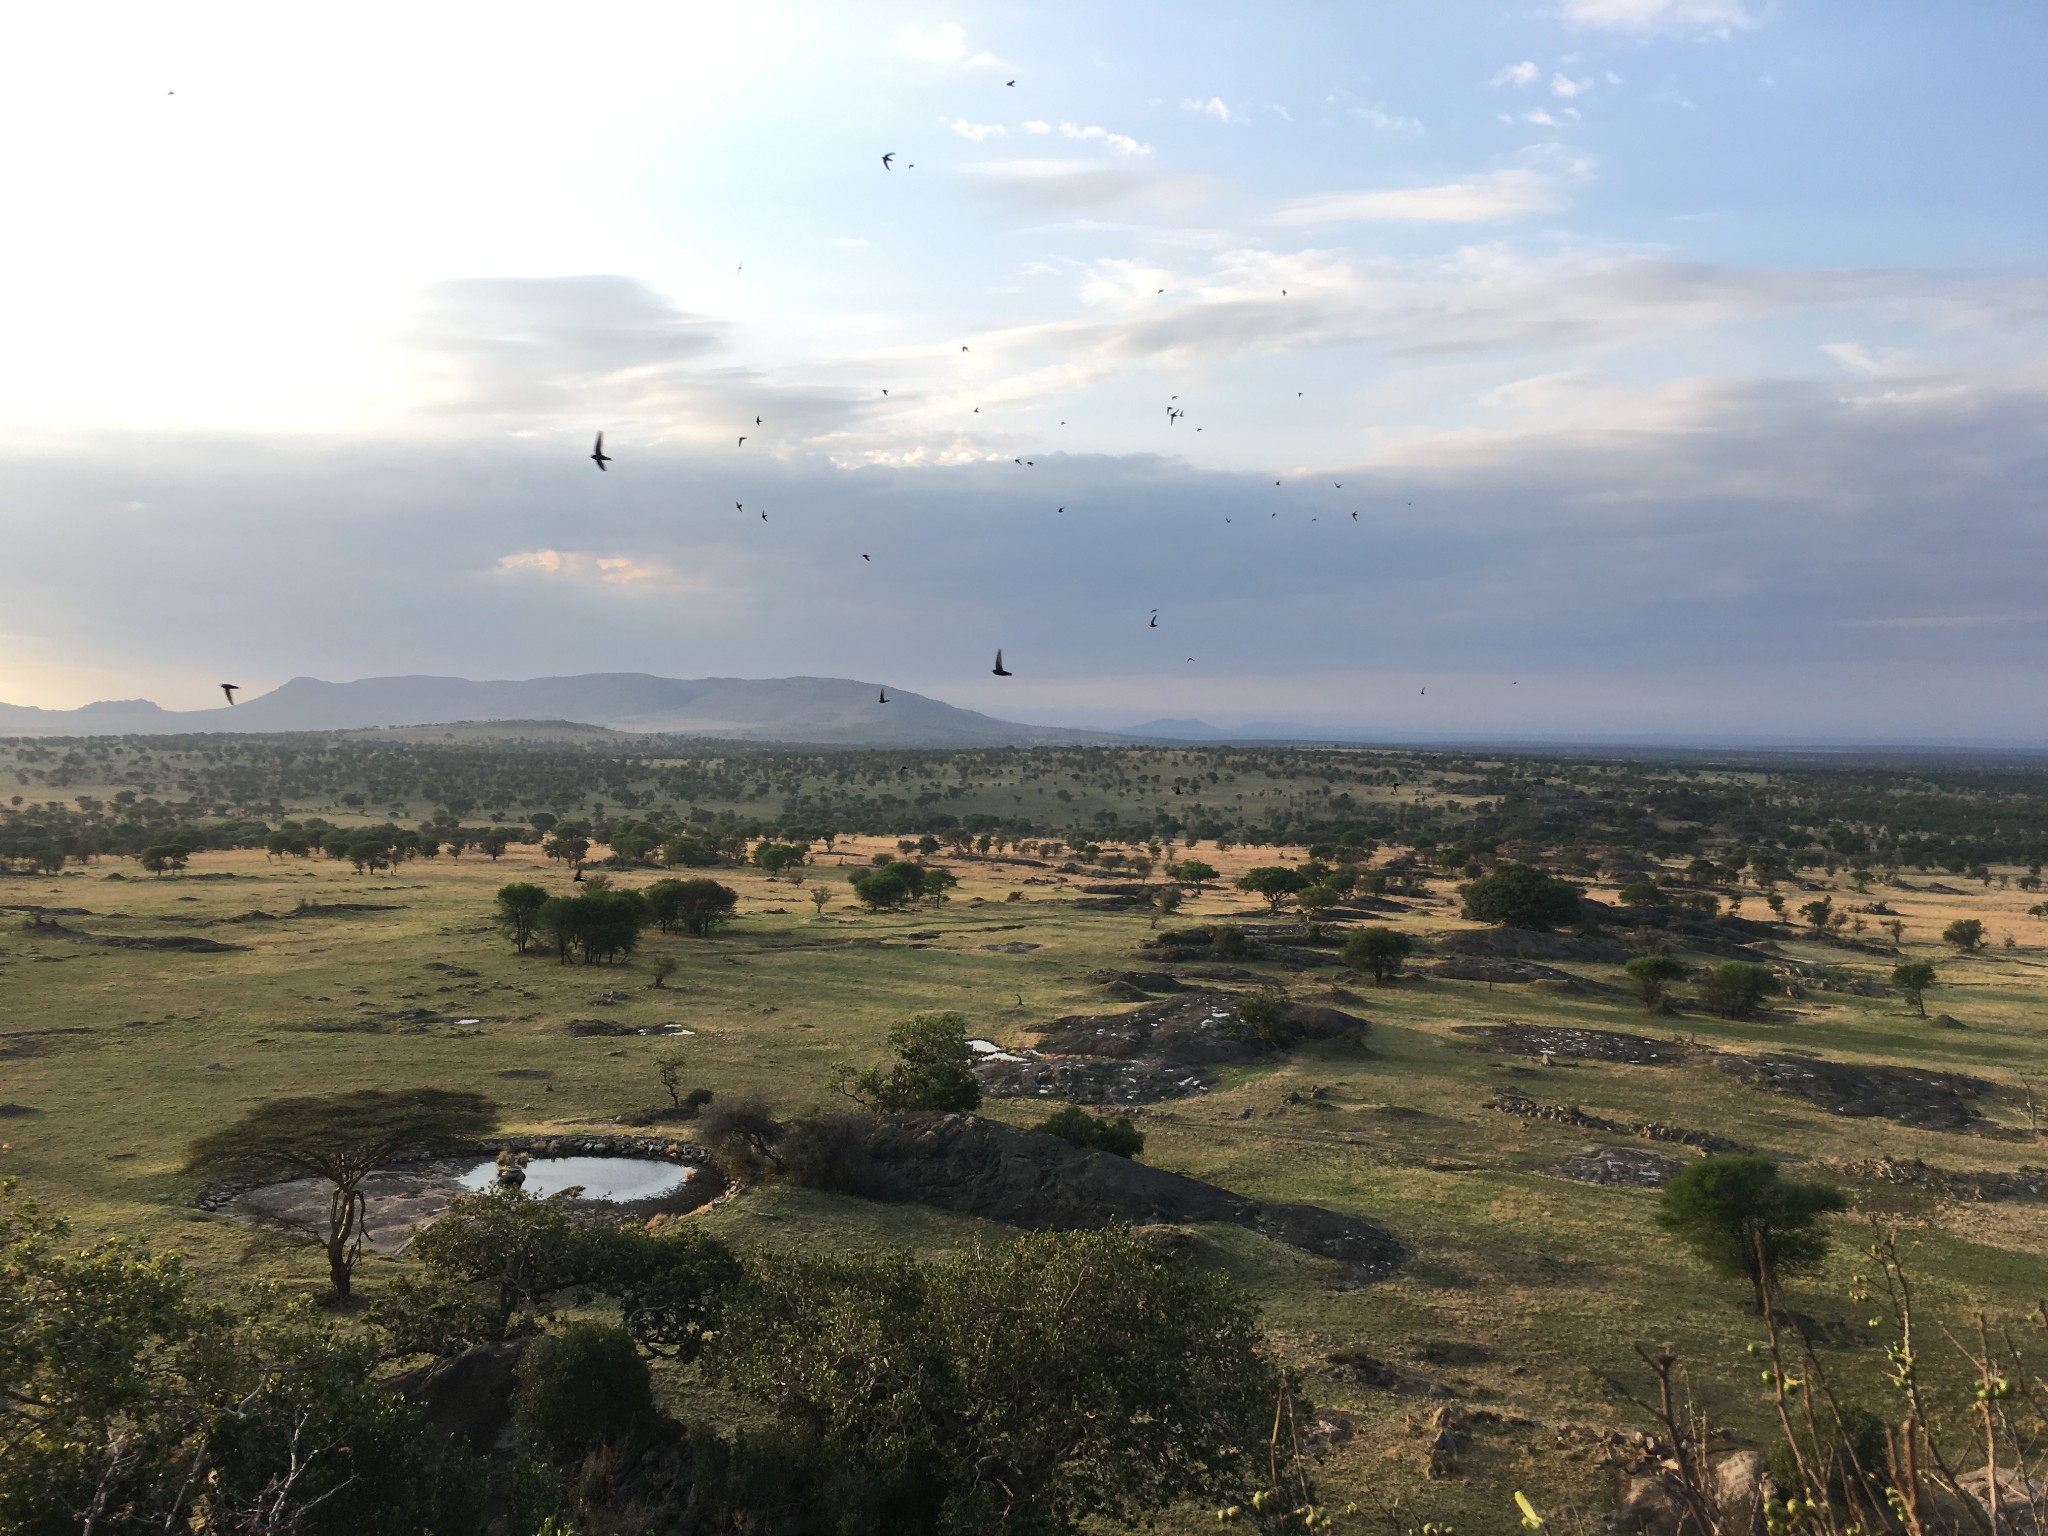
(1680, 358)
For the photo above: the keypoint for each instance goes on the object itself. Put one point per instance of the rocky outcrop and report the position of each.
(981, 1167)
(1928, 1101)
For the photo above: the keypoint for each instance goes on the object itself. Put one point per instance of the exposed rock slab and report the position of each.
(1579, 1044)
(1926, 1100)
(1000, 1172)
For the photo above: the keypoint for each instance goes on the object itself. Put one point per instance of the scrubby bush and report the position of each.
(1076, 1125)
(827, 1151)
(1652, 975)
(1228, 942)
(1966, 934)
(580, 1388)
(1736, 989)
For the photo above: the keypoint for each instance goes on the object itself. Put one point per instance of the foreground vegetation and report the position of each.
(377, 958)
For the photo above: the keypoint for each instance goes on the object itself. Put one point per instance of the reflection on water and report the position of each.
(602, 1178)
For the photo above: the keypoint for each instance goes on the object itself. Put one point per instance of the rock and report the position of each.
(1926, 1100)
(1648, 1500)
(467, 1397)
(1141, 982)
(1030, 1179)
(1618, 1167)
(1527, 944)
(1586, 1044)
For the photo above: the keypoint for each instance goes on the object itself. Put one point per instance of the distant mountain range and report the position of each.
(825, 710)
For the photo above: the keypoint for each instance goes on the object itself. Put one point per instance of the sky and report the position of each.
(1552, 367)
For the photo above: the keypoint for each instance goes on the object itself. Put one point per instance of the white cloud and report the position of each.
(576, 565)
(1524, 73)
(1715, 18)
(1613, 78)
(1383, 121)
(944, 44)
(1538, 116)
(1035, 126)
(1860, 359)
(975, 131)
(1123, 144)
(1216, 107)
(1563, 85)
(1503, 194)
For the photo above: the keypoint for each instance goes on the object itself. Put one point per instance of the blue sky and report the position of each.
(1681, 359)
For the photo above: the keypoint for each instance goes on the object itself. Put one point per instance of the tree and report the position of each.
(1038, 1387)
(1643, 893)
(559, 921)
(933, 1069)
(1519, 896)
(937, 882)
(1192, 872)
(1966, 934)
(1652, 976)
(163, 856)
(1817, 914)
(696, 906)
(889, 884)
(1165, 902)
(819, 896)
(519, 907)
(1274, 883)
(1746, 1220)
(1313, 900)
(1378, 951)
(340, 1138)
(1735, 989)
(492, 844)
(773, 858)
(1914, 977)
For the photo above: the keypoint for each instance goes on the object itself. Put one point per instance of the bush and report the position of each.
(1966, 934)
(1228, 942)
(829, 1152)
(1652, 976)
(1258, 1018)
(744, 1135)
(933, 1070)
(579, 1389)
(1744, 1219)
(1642, 893)
(1736, 989)
(1913, 978)
(1518, 896)
(1379, 951)
(1074, 1124)
(696, 906)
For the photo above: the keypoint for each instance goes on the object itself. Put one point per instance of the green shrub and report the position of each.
(1076, 1125)
(1736, 989)
(579, 1389)
(1743, 1218)
(1228, 942)
(1379, 951)
(933, 1069)
(1518, 896)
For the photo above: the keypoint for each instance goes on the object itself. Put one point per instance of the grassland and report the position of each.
(1525, 1294)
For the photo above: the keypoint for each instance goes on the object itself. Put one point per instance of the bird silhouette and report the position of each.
(743, 442)
(1009, 82)
(884, 698)
(886, 159)
(737, 507)
(757, 422)
(229, 690)
(1155, 622)
(1354, 517)
(1063, 509)
(598, 455)
(870, 562)
(1000, 670)
(764, 517)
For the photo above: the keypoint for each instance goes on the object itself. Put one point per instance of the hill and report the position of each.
(826, 710)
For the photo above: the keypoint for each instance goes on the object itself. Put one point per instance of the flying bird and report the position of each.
(1354, 517)
(764, 517)
(1000, 670)
(1009, 82)
(598, 455)
(884, 698)
(870, 562)
(229, 690)
(886, 159)
(737, 507)
(1063, 509)
(1191, 658)
(1155, 622)
(757, 422)
(743, 441)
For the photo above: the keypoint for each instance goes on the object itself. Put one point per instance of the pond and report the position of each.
(602, 1178)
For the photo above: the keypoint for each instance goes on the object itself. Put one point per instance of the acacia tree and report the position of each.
(341, 1138)
(1913, 978)
(1966, 934)
(519, 906)
(1379, 951)
(1273, 883)
(1745, 1219)
(1652, 976)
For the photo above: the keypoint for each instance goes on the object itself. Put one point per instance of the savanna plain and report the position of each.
(1508, 1104)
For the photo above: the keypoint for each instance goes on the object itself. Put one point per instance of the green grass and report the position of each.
(1554, 1282)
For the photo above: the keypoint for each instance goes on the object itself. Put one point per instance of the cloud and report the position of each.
(1538, 116)
(1523, 73)
(1712, 18)
(1215, 107)
(1123, 144)
(1538, 187)
(1035, 126)
(1859, 359)
(575, 565)
(975, 131)
(1383, 121)
(944, 44)
(1563, 85)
